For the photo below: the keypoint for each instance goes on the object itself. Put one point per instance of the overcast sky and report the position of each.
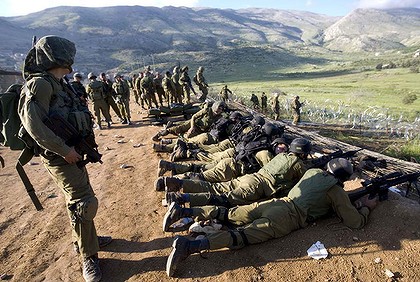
(10, 8)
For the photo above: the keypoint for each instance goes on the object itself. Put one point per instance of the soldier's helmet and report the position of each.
(277, 142)
(49, 52)
(271, 129)
(301, 146)
(235, 115)
(117, 75)
(103, 74)
(297, 97)
(340, 167)
(258, 120)
(176, 69)
(91, 75)
(184, 68)
(200, 69)
(78, 75)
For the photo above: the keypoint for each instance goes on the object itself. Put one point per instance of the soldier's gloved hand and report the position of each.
(72, 157)
(370, 203)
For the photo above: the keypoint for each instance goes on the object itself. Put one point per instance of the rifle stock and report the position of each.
(379, 185)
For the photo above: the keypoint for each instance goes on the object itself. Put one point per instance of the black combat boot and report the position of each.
(160, 184)
(165, 166)
(158, 148)
(182, 248)
(176, 212)
(172, 184)
(91, 270)
(180, 151)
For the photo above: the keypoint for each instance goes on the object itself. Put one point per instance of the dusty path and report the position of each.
(36, 246)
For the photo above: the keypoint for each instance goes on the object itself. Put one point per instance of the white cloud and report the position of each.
(308, 3)
(388, 4)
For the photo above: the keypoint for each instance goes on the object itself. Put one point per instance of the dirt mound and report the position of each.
(36, 246)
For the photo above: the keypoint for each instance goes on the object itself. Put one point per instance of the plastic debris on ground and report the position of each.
(317, 251)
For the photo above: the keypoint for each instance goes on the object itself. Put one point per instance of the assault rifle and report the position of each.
(379, 185)
(322, 161)
(72, 137)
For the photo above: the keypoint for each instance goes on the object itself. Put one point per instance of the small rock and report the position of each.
(138, 145)
(33, 163)
(121, 141)
(389, 273)
(355, 239)
(378, 260)
(118, 136)
(125, 166)
(50, 196)
(107, 149)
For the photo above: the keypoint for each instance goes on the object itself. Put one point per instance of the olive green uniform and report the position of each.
(122, 96)
(316, 195)
(170, 90)
(296, 105)
(109, 96)
(202, 85)
(178, 87)
(80, 89)
(185, 82)
(224, 93)
(95, 90)
(275, 178)
(228, 168)
(45, 95)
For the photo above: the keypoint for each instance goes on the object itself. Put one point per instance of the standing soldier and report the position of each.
(255, 102)
(175, 78)
(202, 84)
(95, 90)
(134, 89)
(296, 105)
(122, 97)
(147, 88)
(157, 82)
(275, 106)
(45, 94)
(109, 95)
(263, 102)
(139, 91)
(185, 81)
(78, 86)
(169, 88)
(224, 93)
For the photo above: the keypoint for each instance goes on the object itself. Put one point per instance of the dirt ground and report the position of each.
(36, 246)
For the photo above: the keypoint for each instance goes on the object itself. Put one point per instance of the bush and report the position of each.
(414, 69)
(409, 98)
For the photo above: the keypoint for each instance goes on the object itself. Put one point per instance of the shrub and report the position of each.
(409, 98)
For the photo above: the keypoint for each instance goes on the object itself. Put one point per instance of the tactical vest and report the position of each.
(96, 90)
(63, 103)
(310, 193)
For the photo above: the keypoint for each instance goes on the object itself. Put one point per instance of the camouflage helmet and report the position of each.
(200, 69)
(103, 74)
(235, 115)
(91, 75)
(176, 69)
(48, 53)
(78, 75)
(184, 68)
(270, 129)
(300, 146)
(117, 75)
(340, 167)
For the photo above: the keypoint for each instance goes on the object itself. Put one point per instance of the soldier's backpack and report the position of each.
(9, 118)
(97, 90)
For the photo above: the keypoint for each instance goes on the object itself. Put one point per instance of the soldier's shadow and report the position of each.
(126, 246)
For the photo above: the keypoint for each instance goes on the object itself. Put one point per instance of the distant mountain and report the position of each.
(128, 37)
(373, 30)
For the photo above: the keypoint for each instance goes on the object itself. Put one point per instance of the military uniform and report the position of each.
(95, 90)
(157, 82)
(122, 96)
(170, 90)
(296, 105)
(148, 89)
(46, 95)
(185, 82)
(224, 93)
(202, 84)
(275, 107)
(263, 102)
(316, 195)
(80, 89)
(273, 179)
(178, 87)
(109, 96)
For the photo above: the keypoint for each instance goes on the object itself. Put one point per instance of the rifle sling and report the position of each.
(24, 158)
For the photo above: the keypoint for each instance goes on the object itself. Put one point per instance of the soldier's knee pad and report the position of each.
(87, 208)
